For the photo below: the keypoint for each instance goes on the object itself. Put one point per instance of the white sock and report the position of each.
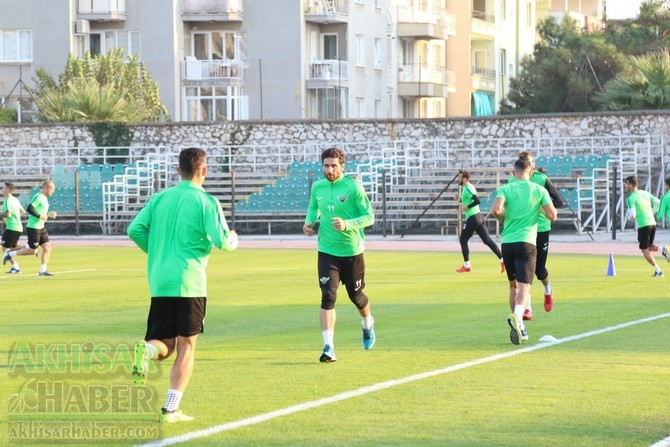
(151, 350)
(518, 311)
(43, 268)
(367, 322)
(547, 289)
(173, 399)
(15, 265)
(657, 268)
(328, 338)
(466, 264)
(528, 303)
(12, 254)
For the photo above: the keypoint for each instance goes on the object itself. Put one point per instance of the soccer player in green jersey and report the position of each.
(641, 205)
(38, 210)
(344, 211)
(664, 207)
(474, 222)
(177, 228)
(12, 210)
(543, 231)
(517, 206)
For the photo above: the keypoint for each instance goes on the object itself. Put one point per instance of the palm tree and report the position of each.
(646, 85)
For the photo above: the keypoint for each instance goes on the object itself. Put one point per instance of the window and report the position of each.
(328, 103)
(214, 103)
(329, 50)
(407, 52)
(16, 46)
(360, 107)
(378, 53)
(360, 50)
(503, 9)
(216, 45)
(378, 108)
(529, 14)
(102, 42)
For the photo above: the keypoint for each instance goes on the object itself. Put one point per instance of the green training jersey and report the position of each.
(13, 205)
(344, 198)
(40, 204)
(664, 207)
(469, 191)
(543, 223)
(644, 204)
(523, 201)
(177, 229)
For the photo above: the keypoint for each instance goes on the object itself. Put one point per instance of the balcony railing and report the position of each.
(418, 11)
(424, 74)
(195, 69)
(208, 8)
(489, 73)
(481, 15)
(325, 7)
(328, 69)
(102, 9)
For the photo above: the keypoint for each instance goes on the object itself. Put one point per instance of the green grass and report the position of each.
(262, 341)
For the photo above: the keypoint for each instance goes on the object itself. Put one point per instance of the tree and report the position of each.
(644, 86)
(568, 66)
(649, 31)
(103, 88)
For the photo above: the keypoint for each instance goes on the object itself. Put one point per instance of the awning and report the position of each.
(482, 104)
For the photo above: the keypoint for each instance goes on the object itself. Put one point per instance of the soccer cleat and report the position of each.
(527, 314)
(665, 251)
(45, 273)
(657, 275)
(170, 417)
(140, 364)
(14, 270)
(328, 355)
(524, 335)
(369, 337)
(548, 302)
(463, 269)
(6, 258)
(515, 333)
(502, 267)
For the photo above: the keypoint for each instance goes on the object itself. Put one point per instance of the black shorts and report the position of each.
(37, 237)
(10, 238)
(646, 236)
(170, 317)
(349, 270)
(520, 259)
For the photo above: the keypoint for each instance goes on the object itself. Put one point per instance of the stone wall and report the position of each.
(262, 133)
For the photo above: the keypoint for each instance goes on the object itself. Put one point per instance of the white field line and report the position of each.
(388, 384)
(662, 443)
(19, 275)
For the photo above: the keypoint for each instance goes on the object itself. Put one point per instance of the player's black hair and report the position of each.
(190, 160)
(333, 152)
(631, 179)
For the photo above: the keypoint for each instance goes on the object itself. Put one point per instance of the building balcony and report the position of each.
(592, 23)
(212, 10)
(102, 10)
(484, 79)
(196, 70)
(421, 21)
(327, 11)
(424, 80)
(325, 73)
(483, 25)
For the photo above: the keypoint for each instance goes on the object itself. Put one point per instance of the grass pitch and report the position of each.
(259, 354)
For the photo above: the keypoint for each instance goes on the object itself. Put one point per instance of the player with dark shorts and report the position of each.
(38, 214)
(177, 228)
(344, 210)
(474, 223)
(641, 205)
(517, 205)
(11, 214)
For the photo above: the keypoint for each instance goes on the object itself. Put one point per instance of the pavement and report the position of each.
(622, 243)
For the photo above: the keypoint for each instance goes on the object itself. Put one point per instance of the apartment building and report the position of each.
(286, 59)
